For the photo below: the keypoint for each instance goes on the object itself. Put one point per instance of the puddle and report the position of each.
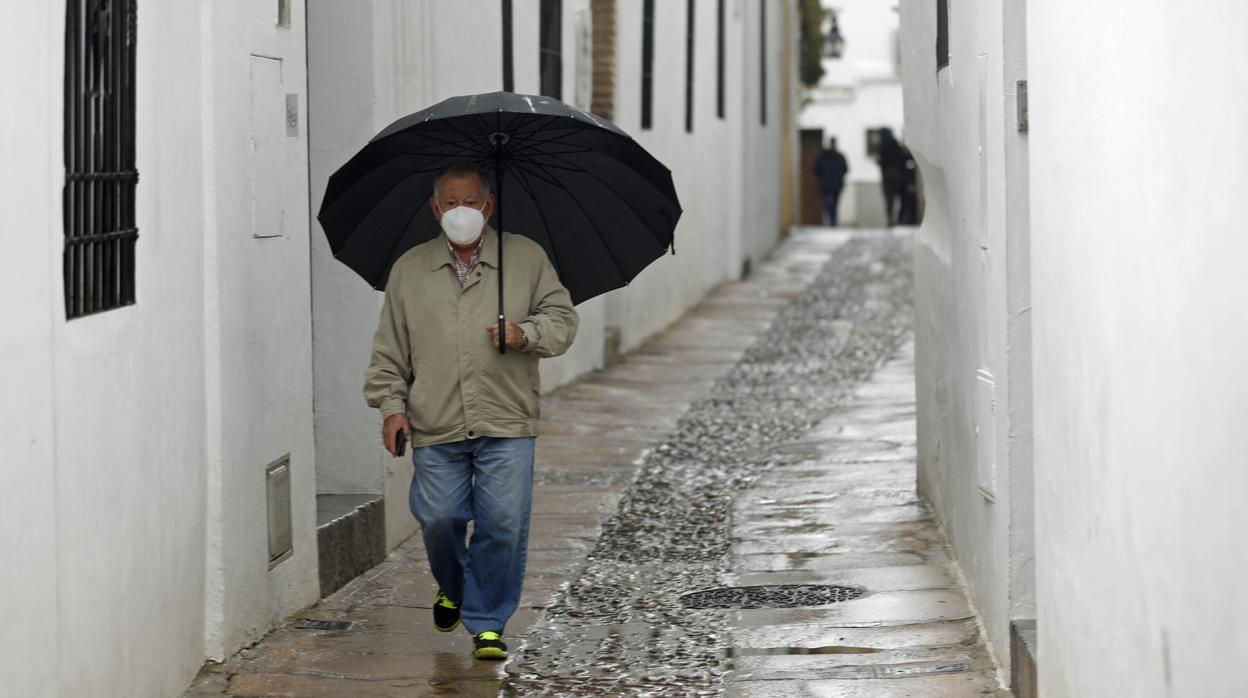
(773, 651)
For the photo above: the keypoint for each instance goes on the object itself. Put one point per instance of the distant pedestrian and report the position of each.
(896, 165)
(909, 213)
(473, 411)
(830, 169)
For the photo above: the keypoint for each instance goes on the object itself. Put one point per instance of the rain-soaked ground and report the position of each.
(729, 511)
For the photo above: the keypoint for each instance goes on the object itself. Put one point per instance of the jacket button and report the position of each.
(472, 434)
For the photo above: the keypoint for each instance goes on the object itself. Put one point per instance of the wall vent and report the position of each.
(986, 434)
(281, 538)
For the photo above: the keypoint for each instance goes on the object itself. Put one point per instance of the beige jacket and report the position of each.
(433, 358)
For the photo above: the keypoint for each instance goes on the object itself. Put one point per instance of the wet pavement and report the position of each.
(753, 444)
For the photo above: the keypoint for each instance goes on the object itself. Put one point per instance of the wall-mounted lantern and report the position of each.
(833, 41)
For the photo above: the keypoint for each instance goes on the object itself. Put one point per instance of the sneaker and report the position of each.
(489, 645)
(445, 613)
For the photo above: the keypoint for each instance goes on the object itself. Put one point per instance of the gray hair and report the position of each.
(462, 169)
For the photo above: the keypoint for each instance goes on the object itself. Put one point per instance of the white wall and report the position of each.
(1020, 456)
(1140, 338)
(103, 415)
(134, 440)
(257, 324)
(342, 106)
(960, 130)
(30, 302)
(727, 172)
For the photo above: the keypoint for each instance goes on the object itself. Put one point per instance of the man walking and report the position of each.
(473, 412)
(831, 168)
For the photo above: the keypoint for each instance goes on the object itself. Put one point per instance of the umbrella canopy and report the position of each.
(601, 206)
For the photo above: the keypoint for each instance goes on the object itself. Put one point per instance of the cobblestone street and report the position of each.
(766, 440)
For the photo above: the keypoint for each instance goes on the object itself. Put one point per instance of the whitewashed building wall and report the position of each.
(257, 331)
(134, 442)
(971, 299)
(1141, 334)
(1099, 258)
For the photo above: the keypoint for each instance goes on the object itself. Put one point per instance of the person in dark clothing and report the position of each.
(830, 169)
(891, 157)
(899, 178)
(909, 214)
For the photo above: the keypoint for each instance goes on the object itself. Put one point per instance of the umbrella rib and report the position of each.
(480, 149)
(593, 150)
(471, 144)
(532, 155)
(524, 136)
(385, 196)
(408, 153)
(399, 238)
(484, 125)
(524, 184)
(619, 270)
(576, 168)
(567, 132)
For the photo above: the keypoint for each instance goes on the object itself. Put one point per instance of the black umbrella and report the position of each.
(601, 206)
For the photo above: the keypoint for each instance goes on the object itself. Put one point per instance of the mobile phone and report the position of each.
(400, 444)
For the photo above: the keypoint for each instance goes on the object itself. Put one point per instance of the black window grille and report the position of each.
(689, 34)
(552, 48)
(719, 61)
(647, 64)
(100, 175)
(762, 62)
(942, 34)
(509, 71)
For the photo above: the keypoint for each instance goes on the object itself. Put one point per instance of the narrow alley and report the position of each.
(730, 509)
(773, 348)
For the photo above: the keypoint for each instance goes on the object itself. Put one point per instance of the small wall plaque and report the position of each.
(292, 115)
(1024, 118)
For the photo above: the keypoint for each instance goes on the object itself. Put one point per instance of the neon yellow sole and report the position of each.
(447, 630)
(490, 653)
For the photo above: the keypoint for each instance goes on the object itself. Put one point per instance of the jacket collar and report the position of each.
(489, 250)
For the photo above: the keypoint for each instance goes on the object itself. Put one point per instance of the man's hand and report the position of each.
(515, 335)
(390, 430)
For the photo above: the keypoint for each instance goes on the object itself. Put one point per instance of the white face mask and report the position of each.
(463, 224)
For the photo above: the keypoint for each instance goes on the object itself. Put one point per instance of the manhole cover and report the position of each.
(771, 596)
(309, 624)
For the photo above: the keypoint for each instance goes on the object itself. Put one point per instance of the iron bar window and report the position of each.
(719, 61)
(762, 61)
(647, 64)
(100, 176)
(689, 56)
(552, 48)
(509, 71)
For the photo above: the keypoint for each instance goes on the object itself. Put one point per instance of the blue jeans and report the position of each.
(831, 201)
(488, 481)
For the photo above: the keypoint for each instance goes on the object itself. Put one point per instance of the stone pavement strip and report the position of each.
(840, 509)
(835, 506)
